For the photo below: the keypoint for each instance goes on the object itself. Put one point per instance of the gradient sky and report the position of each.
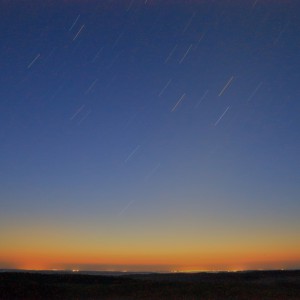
(150, 135)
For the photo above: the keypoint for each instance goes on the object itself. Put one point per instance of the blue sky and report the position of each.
(117, 112)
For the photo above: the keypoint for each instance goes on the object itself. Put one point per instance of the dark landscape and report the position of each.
(222, 285)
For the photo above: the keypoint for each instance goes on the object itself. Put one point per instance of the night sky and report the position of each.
(150, 134)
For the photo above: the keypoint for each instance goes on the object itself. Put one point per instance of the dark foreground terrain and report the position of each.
(239, 285)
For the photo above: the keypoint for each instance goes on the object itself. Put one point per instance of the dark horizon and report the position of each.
(256, 285)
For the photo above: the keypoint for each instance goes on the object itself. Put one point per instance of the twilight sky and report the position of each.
(150, 134)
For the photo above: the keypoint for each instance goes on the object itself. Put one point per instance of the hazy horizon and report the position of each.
(275, 266)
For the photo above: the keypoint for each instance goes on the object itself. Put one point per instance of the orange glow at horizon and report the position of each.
(226, 262)
(58, 246)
